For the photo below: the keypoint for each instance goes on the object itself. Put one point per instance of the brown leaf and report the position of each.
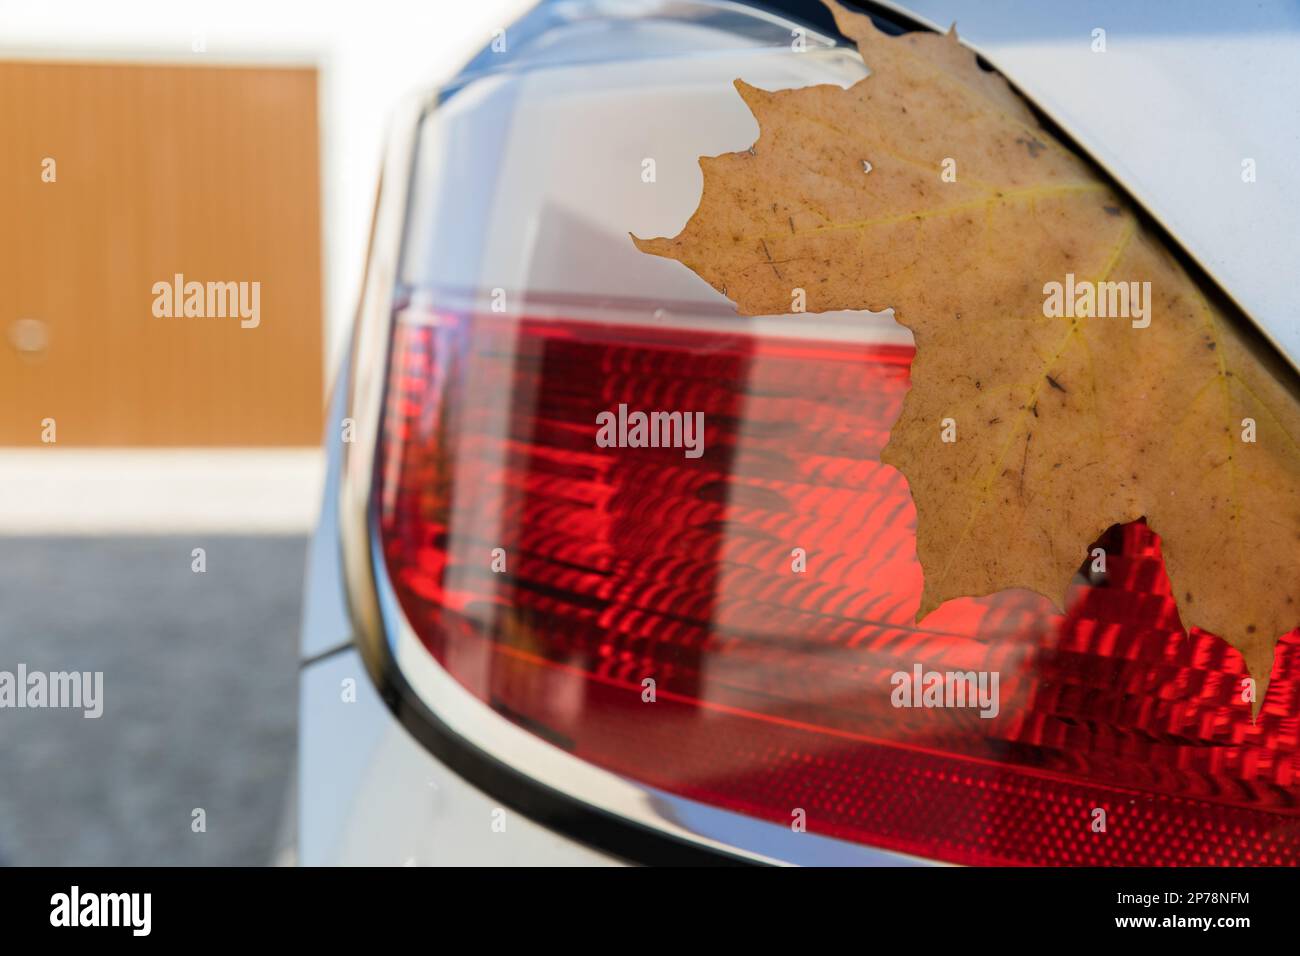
(1065, 426)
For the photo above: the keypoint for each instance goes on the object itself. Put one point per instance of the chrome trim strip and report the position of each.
(369, 358)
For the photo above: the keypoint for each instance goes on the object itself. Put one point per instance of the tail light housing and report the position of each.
(731, 630)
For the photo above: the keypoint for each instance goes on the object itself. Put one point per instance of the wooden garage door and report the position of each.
(115, 178)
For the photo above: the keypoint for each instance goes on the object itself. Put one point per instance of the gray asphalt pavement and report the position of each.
(200, 698)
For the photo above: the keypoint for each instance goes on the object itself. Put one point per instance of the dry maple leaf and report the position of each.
(1065, 426)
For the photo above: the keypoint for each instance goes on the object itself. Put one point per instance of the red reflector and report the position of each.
(777, 690)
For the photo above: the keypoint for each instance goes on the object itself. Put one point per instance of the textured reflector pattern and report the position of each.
(775, 688)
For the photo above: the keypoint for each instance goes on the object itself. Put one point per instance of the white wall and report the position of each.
(369, 53)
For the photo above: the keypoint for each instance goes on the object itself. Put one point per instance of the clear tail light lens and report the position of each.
(774, 687)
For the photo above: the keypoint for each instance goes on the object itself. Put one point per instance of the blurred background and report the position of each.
(224, 142)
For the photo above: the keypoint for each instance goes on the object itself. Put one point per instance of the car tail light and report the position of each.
(518, 584)
(774, 686)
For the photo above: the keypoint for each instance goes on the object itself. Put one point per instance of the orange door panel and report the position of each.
(115, 179)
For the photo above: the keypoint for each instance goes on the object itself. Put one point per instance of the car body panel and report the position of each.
(371, 795)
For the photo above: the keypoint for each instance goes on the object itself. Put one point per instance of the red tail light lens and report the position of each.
(774, 687)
